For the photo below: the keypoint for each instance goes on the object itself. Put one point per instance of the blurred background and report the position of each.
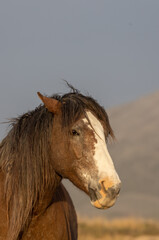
(109, 49)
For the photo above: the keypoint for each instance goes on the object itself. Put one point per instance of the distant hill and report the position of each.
(136, 157)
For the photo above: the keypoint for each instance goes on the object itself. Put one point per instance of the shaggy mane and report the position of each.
(25, 157)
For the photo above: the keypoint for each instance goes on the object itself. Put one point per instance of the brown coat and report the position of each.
(57, 222)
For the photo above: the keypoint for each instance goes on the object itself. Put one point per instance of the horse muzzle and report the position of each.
(105, 195)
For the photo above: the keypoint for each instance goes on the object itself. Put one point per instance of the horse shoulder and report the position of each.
(58, 222)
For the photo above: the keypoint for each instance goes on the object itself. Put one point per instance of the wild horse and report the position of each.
(64, 138)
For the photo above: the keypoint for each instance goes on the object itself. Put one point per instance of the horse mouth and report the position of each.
(104, 198)
(104, 203)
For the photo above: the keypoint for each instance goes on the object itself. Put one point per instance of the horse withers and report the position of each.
(64, 138)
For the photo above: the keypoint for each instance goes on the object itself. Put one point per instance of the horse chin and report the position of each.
(103, 203)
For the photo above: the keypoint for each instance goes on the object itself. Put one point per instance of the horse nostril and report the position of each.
(118, 187)
(114, 191)
(110, 191)
(92, 194)
(118, 190)
(102, 187)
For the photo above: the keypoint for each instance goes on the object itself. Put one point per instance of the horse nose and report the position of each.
(105, 195)
(109, 189)
(113, 191)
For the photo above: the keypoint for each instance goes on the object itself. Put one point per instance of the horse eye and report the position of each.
(75, 133)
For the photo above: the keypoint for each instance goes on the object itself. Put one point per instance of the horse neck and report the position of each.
(3, 209)
(39, 208)
(48, 197)
(29, 179)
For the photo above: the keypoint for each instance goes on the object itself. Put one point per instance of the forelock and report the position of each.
(75, 104)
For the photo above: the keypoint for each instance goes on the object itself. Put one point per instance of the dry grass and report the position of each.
(119, 229)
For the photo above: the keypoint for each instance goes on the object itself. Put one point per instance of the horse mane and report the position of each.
(25, 157)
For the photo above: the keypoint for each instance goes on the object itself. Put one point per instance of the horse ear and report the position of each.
(51, 104)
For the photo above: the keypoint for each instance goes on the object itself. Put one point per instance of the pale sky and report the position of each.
(107, 48)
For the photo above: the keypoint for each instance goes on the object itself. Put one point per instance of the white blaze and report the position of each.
(102, 157)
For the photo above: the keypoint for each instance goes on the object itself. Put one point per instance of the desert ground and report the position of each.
(118, 229)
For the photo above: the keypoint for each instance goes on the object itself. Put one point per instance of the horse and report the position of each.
(64, 137)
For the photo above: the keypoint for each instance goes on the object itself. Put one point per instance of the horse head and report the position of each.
(79, 147)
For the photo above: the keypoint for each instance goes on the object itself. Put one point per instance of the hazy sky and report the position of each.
(107, 48)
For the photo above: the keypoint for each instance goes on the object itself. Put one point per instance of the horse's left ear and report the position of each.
(51, 104)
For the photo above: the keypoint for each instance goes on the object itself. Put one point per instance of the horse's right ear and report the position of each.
(51, 104)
